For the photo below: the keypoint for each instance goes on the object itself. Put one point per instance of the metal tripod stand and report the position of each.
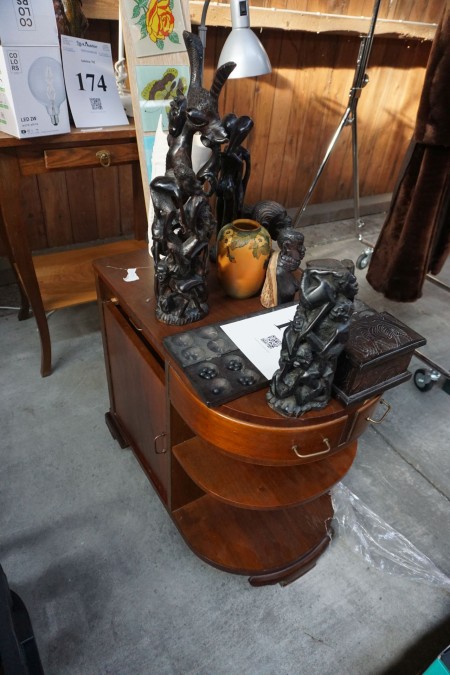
(349, 118)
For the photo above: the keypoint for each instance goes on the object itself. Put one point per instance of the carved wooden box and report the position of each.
(376, 356)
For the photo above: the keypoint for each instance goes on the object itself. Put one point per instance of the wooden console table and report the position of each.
(247, 489)
(60, 279)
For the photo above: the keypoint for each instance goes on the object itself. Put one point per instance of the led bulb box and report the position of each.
(32, 91)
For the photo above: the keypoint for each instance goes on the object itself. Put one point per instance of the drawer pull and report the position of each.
(388, 407)
(155, 442)
(104, 157)
(134, 325)
(313, 454)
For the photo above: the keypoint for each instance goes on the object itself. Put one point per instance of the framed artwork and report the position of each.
(157, 86)
(156, 26)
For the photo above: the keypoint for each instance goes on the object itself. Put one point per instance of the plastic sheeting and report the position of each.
(380, 545)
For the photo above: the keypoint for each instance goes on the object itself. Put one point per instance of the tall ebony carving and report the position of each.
(235, 167)
(314, 339)
(183, 221)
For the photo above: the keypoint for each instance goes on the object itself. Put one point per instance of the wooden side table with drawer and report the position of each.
(61, 279)
(247, 488)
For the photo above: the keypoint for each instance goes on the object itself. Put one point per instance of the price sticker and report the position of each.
(90, 83)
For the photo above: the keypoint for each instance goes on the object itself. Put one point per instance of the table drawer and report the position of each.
(91, 156)
(40, 160)
(261, 442)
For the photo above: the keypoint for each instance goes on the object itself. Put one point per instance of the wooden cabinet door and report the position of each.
(138, 396)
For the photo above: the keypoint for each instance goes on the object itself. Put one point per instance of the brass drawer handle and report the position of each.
(388, 407)
(155, 441)
(134, 325)
(313, 454)
(104, 157)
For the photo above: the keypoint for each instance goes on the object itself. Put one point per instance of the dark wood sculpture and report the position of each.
(235, 167)
(183, 221)
(282, 278)
(272, 215)
(314, 339)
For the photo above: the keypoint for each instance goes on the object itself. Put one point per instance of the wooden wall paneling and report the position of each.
(33, 214)
(329, 98)
(288, 188)
(389, 111)
(326, 17)
(396, 17)
(338, 174)
(262, 114)
(106, 190)
(101, 9)
(283, 99)
(402, 115)
(299, 178)
(55, 207)
(80, 190)
(379, 132)
(372, 114)
(106, 31)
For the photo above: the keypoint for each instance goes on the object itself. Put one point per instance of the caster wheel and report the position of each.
(422, 380)
(363, 261)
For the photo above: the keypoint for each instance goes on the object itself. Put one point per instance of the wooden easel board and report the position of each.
(135, 45)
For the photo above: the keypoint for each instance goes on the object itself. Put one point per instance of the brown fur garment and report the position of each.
(415, 238)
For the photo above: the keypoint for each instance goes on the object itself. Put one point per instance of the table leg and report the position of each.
(19, 252)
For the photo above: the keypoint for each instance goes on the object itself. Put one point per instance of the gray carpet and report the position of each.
(111, 587)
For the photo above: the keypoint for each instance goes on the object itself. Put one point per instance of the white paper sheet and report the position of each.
(259, 337)
(90, 83)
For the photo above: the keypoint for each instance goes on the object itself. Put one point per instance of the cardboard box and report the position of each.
(32, 92)
(28, 22)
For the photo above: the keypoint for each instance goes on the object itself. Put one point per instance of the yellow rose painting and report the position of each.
(156, 20)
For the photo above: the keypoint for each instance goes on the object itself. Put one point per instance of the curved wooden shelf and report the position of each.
(254, 486)
(269, 545)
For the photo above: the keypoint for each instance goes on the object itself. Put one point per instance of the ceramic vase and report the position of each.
(243, 252)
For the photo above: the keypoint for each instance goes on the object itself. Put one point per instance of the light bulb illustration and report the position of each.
(46, 82)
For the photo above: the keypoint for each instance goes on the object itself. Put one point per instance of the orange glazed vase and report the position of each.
(243, 252)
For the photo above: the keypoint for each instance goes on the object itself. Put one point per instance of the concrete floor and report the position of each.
(111, 587)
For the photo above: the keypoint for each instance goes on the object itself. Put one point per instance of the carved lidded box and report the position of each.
(376, 356)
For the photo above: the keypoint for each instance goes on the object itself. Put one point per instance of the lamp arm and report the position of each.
(202, 29)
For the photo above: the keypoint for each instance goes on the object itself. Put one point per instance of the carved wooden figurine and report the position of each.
(183, 221)
(282, 278)
(272, 215)
(314, 339)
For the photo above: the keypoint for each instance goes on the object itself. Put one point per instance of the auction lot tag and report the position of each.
(90, 83)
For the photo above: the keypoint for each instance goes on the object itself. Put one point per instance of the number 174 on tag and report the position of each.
(90, 83)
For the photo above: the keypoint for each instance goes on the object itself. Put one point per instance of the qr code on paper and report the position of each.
(271, 341)
(96, 103)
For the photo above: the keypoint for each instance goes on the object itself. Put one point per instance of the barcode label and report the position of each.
(271, 341)
(96, 103)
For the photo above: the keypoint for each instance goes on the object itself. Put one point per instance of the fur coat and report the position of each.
(415, 238)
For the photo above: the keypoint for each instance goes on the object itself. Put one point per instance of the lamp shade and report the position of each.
(242, 46)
